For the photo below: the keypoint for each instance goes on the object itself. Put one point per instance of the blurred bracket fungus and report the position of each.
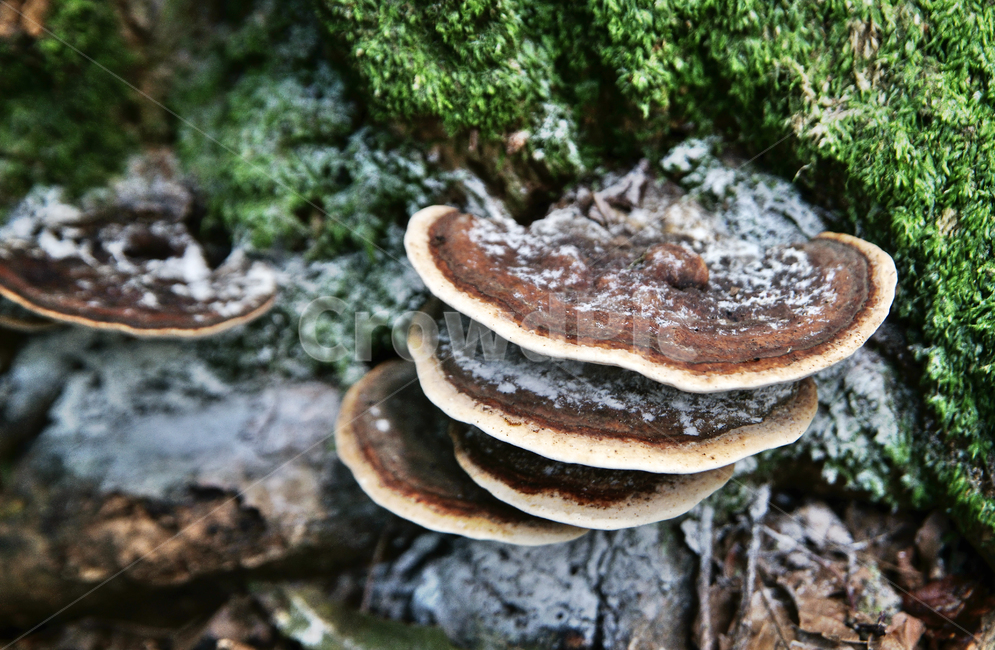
(18, 319)
(616, 294)
(609, 443)
(127, 261)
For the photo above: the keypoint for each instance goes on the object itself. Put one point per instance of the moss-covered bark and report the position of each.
(284, 154)
(63, 118)
(891, 102)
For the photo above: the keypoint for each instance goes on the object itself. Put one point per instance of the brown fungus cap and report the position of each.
(16, 318)
(396, 445)
(602, 416)
(700, 316)
(130, 265)
(604, 499)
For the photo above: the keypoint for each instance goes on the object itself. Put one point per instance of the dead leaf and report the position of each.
(33, 18)
(903, 633)
(823, 528)
(9, 19)
(929, 543)
(820, 604)
(768, 622)
(908, 576)
(940, 601)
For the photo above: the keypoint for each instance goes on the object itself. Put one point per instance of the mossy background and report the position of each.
(64, 119)
(342, 116)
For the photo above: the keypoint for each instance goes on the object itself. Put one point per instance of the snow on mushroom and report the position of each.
(606, 366)
(129, 264)
(604, 416)
(702, 316)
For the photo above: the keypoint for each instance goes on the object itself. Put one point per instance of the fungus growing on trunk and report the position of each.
(396, 445)
(606, 366)
(604, 416)
(130, 265)
(592, 497)
(17, 318)
(699, 316)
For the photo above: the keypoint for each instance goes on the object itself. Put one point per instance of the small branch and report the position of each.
(758, 509)
(705, 577)
(378, 554)
(609, 216)
(773, 618)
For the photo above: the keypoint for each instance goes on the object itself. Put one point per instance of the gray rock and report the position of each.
(865, 429)
(154, 464)
(30, 387)
(630, 588)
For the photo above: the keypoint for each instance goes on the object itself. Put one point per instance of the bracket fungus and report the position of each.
(702, 316)
(603, 416)
(592, 497)
(395, 443)
(130, 265)
(17, 318)
(606, 366)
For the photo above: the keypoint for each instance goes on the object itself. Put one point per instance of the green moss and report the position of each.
(885, 108)
(470, 63)
(289, 161)
(63, 119)
(493, 66)
(897, 96)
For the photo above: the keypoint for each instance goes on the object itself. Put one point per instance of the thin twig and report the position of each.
(608, 212)
(705, 576)
(773, 618)
(378, 553)
(757, 511)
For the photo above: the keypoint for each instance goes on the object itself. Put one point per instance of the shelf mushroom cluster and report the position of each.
(601, 368)
(128, 263)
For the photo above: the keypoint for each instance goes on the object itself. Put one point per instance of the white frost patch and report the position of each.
(597, 269)
(56, 248)
(685, 156)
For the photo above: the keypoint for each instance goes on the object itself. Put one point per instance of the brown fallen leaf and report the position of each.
(9, 18)
(939, 602)
(908, 576)
(820, 604)
(768, 623)
(903, 633)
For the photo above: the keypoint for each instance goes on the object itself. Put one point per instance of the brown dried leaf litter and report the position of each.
(866, 579)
